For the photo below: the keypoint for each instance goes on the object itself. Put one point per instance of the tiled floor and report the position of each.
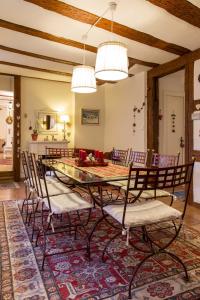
(192, 217)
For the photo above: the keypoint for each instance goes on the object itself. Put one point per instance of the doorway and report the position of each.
(172, 114)
(10, 127)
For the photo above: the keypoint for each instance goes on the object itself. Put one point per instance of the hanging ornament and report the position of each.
(173, 116)
(136, 110)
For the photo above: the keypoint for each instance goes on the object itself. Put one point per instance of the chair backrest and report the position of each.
(40, 173)
(25, 166)
(32, 171)
(138, 158)
(119, 157)
(164, 160)
(59, 152)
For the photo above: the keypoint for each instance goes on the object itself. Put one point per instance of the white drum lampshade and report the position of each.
(111, 61)
(83, 80)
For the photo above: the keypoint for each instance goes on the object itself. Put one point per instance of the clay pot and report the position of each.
(34, 136)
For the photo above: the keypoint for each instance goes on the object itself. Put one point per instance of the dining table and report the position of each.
(85, 177)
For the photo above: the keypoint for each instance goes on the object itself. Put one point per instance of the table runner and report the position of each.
(109, 171)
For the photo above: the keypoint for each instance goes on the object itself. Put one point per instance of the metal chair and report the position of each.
(138, 158)
(119, 157)
(59, 205)
(160, 161)
(164, 160)
(29, 185)
(59, 152)
(55, 188)
(147, 218)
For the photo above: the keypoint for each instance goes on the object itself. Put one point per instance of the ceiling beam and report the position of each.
(44, 35)
(50, 37)
(119, 29)
(7, 63)
(40, 56)
(181, 9)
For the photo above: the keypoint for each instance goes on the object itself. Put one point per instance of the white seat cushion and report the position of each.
(150, 193)
(54, 187)
(149, 212)
(67, 202)
(121, 183)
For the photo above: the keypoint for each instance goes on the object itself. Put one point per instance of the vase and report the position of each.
(34, 136)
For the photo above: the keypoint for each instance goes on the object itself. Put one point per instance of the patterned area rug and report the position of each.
(72, 276)
(9, 185)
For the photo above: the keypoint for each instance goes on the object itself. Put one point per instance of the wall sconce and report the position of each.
(65, 120)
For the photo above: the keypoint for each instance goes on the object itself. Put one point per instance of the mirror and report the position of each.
(47, 122)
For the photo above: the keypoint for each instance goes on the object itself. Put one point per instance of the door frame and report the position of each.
(15, 173)
(153, 104)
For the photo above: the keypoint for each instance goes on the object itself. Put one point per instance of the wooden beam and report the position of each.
(181, 9)
(44, 57)
(60, 40)
(122, 30)
(44, 35)
(34, 68)
(135, 61)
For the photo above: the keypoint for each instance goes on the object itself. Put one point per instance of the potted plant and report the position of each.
(34, 135)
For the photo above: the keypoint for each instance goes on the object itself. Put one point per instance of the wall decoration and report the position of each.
(173, 118)
(136, 110)
(9, 120)
(90, 116)
(46, 122)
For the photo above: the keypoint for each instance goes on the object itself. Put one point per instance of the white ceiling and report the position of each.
(137, 14)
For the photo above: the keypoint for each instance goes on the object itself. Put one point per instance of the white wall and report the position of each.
(39, 94)
(90, 136)
(6, 83)
(120, 100)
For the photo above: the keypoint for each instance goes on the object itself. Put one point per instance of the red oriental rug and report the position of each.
(72, 276)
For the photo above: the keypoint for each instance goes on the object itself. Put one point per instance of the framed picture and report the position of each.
(90, 116)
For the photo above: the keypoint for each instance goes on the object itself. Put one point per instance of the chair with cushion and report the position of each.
(60, 205)
(142, 223)
(160, 160)
(138, 158)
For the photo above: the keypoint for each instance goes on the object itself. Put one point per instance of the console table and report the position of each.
(39, 147)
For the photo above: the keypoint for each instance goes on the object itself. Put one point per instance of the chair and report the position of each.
(145, 219)
(138, 158)
(59, 152)
(119, 157)
(29, 186)
(164, 160)
(160, 160)
(55, 188)
(58, 205)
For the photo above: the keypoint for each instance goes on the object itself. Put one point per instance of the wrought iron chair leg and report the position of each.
(135, 272)
(34, 216)
(107, 244)
(172, 200)
(180, 262)
(91, 234)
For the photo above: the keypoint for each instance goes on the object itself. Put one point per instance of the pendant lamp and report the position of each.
(111, 60)
(83, 78)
